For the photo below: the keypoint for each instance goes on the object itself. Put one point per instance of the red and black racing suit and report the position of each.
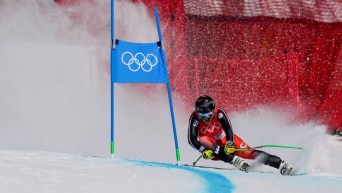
(214, 135)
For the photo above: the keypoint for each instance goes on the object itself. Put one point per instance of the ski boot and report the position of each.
(285, 169)
(240, 164)
(339, 132)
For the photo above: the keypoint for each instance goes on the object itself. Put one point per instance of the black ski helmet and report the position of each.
(204, 104)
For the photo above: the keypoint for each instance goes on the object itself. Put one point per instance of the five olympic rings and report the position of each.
(137, 61)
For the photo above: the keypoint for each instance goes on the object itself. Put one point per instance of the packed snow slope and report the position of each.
(55, 97)
(41, 172)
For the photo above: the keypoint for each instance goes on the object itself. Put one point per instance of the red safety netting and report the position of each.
(255, 52)
(245, 82)
(321, 10)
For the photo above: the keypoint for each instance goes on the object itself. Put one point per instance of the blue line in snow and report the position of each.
(215, 182)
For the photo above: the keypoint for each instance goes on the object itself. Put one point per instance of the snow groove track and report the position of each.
(218, 180)
(215, 182)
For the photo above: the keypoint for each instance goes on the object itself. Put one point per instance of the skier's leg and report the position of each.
(261, 156)
(239, 143)
(266, 158)
(273, 161)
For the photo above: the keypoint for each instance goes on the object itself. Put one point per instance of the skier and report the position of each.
(211, 133)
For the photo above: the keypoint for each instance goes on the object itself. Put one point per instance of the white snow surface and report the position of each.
(40, 172)
(55, 116)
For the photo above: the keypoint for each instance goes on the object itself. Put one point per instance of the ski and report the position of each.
(230, 169)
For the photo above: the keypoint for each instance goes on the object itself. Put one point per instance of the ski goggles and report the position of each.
(205, 115)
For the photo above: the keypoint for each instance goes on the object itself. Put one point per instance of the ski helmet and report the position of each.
(205, 106)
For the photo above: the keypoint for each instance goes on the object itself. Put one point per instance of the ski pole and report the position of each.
(195, 162)
(268, 145)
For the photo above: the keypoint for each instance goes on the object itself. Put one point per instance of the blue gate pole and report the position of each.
(169, 94)
(173, 124)
(112, 84)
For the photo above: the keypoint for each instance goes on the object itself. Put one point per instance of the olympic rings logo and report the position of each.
(210, 129)
(137, 61)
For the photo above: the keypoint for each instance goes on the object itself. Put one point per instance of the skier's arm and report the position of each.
(193, 132)
(226, 125)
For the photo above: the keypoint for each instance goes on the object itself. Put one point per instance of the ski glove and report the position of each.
(208, 154)
(229, 147)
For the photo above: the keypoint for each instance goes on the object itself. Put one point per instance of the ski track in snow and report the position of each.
(33, 171)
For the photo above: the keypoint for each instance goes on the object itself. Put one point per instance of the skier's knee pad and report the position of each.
(268, 159)
(273, 161)
(225, 157)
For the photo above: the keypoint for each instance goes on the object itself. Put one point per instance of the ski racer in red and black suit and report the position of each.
(211, 133)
